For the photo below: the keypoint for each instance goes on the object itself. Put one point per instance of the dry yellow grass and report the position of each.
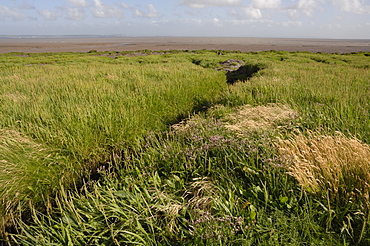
(336, 165)
(261, 117)
(247, 118)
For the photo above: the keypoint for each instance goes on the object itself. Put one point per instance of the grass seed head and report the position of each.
(201, 193)
(336, 164)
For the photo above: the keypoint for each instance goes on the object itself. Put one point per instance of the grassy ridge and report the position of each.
(85, 111)
(84, 107)
(214, 180)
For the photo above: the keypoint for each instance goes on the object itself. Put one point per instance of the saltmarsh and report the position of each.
(91, 153)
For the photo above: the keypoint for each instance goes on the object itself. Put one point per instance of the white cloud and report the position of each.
(266, 4)
(291, 24)
(250, 21)
(101, 10)
(151, 14)
(248, 12)
(216, 22)
(307, 7)
(251, 12)
(152, 11)
(49, 14)
(12, 13)
(124, 5)
(78, 3)
(352, 6)
(155, 23)
(159, 23)
(293, 13)
(75, 13)
(205, 3)
(139, 13)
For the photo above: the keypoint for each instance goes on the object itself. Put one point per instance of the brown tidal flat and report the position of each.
(35, 45)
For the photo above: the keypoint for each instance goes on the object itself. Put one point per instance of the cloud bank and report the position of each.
(332, 18)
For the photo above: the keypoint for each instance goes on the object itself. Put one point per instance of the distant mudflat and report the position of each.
(85, 44)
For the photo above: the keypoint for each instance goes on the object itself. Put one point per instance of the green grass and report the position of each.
(66, 116)
(88, 110)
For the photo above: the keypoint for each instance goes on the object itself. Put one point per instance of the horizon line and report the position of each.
(35, 36)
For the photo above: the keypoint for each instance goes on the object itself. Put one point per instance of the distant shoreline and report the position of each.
(85, 43)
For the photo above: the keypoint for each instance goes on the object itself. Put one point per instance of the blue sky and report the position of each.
(236, 18)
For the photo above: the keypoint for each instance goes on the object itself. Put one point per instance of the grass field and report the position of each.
(177, 148)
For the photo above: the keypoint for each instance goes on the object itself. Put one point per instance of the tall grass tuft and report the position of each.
(333, 167)
(29, 172)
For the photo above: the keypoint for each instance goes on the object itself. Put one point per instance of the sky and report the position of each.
(344, 19)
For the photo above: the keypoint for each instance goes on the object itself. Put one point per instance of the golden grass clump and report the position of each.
(260, 117)
(337, 166)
